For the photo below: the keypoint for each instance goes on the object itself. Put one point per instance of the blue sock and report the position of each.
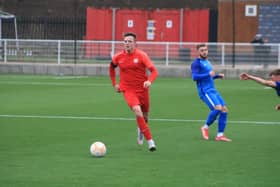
(212, 116)
(222, 122)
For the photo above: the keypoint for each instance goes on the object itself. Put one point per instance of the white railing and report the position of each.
(165, 53)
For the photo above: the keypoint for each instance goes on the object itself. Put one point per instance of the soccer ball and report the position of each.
(98, 149)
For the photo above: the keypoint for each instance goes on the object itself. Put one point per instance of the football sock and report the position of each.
(222, 122)
(143, 126)
(220, 134)
(212, 117)
(151, 143)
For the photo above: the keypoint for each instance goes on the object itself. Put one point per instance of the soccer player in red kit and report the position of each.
(134, 83)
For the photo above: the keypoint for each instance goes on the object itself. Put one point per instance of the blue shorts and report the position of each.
(212, 99)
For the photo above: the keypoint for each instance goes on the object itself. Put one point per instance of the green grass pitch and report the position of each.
(47, 124)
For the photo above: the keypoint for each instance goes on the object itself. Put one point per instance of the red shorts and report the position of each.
(133, 98)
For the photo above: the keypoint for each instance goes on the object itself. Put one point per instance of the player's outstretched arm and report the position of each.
(246, 76)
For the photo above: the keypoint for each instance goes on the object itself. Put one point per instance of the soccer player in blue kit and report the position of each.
(204, 75)
(274, 82)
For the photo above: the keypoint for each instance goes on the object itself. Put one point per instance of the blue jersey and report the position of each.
(201, 74)
(277, 88)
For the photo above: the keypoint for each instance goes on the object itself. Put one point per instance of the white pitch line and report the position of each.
(131, 119)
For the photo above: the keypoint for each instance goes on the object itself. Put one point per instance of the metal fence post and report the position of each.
(58, 51)
(167, 54)
(5, 51)
(223, 54)
(113, 49)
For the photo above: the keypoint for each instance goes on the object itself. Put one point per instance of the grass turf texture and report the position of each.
(47, 124)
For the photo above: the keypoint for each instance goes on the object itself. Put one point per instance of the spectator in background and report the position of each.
(261, 51)
(258, 39)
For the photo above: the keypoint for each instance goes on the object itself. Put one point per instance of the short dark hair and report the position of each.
(200, 45)
(130, 34)
(275, 72)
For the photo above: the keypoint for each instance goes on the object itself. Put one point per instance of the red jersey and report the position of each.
(133, 68)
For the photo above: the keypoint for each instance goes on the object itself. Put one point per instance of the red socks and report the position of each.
(143, 126)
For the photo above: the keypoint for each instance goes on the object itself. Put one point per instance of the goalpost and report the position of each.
(6, 15)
